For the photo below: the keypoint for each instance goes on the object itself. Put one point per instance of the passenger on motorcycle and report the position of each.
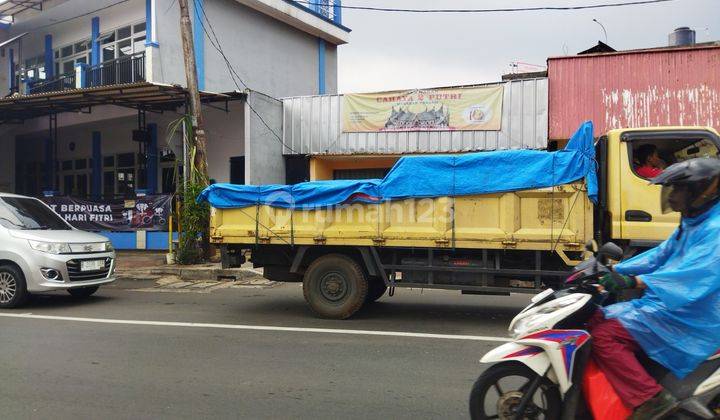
(677, 321)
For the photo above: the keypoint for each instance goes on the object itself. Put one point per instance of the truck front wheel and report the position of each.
(335, 286)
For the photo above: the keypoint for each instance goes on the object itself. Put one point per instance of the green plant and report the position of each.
(194, 216)
(194, 219)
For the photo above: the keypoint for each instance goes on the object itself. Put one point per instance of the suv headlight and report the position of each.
(50, 247)
(109, 247)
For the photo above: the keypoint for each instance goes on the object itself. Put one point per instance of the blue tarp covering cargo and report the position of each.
(431, 176)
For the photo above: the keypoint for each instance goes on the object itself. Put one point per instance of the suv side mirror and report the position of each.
(612, 251)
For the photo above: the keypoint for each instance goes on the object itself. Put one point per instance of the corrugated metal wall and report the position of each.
(636, 89)
(312, 125)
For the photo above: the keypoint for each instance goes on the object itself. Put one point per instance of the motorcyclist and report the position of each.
(677, 321)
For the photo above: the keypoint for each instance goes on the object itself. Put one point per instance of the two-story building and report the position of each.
(89, 89)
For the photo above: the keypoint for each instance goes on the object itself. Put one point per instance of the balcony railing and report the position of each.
(128, 69)
(63, 82)
(330, 9)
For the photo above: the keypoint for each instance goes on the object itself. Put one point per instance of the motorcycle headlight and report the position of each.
(50, 247)
(536, 318)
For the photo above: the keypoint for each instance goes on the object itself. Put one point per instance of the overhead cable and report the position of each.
(497, 10)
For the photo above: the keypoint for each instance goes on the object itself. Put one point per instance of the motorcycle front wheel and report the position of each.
(498, 391)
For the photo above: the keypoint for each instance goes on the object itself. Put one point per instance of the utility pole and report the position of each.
(200, 141)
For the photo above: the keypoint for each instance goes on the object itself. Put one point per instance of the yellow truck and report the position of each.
(497, 244)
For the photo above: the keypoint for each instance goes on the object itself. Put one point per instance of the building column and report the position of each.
(321, 66)
(150, 24)
(80, 73)
(95, 41)
(96, 165)
(11, 70)
(49, 165)
(151, 42)
(49, 58)
(199, 41)
(337, 12)
(152, 159)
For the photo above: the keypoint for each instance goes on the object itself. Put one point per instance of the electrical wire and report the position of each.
(82, 15)
(498, 10)
(215, 42)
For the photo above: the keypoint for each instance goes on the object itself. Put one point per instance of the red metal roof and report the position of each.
(655, 87)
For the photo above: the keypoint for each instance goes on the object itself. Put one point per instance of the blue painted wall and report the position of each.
(152, 162)
(121, 240)
(321, 66)
(199, 41)
(149, 34)
(94, 41)
(96, 164)
(11, 69)
(158, 240)
(49, 58)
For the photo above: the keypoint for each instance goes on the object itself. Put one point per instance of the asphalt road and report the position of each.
(189, 361)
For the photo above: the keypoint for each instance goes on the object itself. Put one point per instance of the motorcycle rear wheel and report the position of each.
(498, 391)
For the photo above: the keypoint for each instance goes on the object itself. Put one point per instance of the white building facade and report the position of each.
(276, 48)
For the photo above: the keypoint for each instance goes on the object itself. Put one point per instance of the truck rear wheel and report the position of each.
(335, 286)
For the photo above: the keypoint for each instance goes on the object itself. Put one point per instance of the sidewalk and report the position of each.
(147, 265)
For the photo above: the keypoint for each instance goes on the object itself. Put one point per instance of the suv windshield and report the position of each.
(29, 214)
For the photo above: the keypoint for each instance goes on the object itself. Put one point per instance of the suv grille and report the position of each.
(73, 267)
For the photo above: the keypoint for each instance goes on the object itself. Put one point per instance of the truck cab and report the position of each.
(629, 210)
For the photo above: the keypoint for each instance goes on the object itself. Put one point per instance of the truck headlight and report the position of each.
(50, 247)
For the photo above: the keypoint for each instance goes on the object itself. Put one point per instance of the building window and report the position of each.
(119, 175)
(75, 176)
(124, 41)
(33, 69)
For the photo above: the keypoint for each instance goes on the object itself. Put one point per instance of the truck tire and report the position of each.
(335, 286)
(376, 290)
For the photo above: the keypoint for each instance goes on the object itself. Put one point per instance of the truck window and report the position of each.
(650, 157)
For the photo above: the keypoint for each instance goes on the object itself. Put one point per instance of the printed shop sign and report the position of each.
(146, 213)
(465, 109)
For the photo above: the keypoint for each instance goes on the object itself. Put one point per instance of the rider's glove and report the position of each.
(614, 282)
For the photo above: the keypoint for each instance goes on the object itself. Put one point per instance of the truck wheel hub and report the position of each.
(333, 287)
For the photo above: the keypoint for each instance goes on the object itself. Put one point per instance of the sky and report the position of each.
(389, 51)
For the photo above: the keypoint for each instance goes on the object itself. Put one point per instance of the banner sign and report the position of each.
(143, 213)
(451, 109)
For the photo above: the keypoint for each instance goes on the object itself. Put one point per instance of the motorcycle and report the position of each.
(539, 375)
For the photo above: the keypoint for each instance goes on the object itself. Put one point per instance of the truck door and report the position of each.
(642, 219)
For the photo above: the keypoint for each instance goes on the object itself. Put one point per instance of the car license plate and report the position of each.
(92, 265)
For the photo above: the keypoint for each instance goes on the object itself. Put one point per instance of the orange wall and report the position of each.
(322, 167)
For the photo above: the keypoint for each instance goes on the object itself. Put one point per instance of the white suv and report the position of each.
(40, 252)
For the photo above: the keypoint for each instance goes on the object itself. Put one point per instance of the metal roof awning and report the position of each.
(12, 7)
(13, 39)
(141, 96)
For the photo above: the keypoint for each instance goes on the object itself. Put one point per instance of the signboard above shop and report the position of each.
(451, 109)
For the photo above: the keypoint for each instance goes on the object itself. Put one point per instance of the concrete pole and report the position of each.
(200, 141)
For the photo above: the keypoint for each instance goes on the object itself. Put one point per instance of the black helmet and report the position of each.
(690, 187)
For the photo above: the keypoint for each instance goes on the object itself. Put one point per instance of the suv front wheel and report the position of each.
(13, 290)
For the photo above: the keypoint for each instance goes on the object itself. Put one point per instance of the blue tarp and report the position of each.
(431, 176)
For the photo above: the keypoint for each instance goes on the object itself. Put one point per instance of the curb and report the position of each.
(191, 273)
